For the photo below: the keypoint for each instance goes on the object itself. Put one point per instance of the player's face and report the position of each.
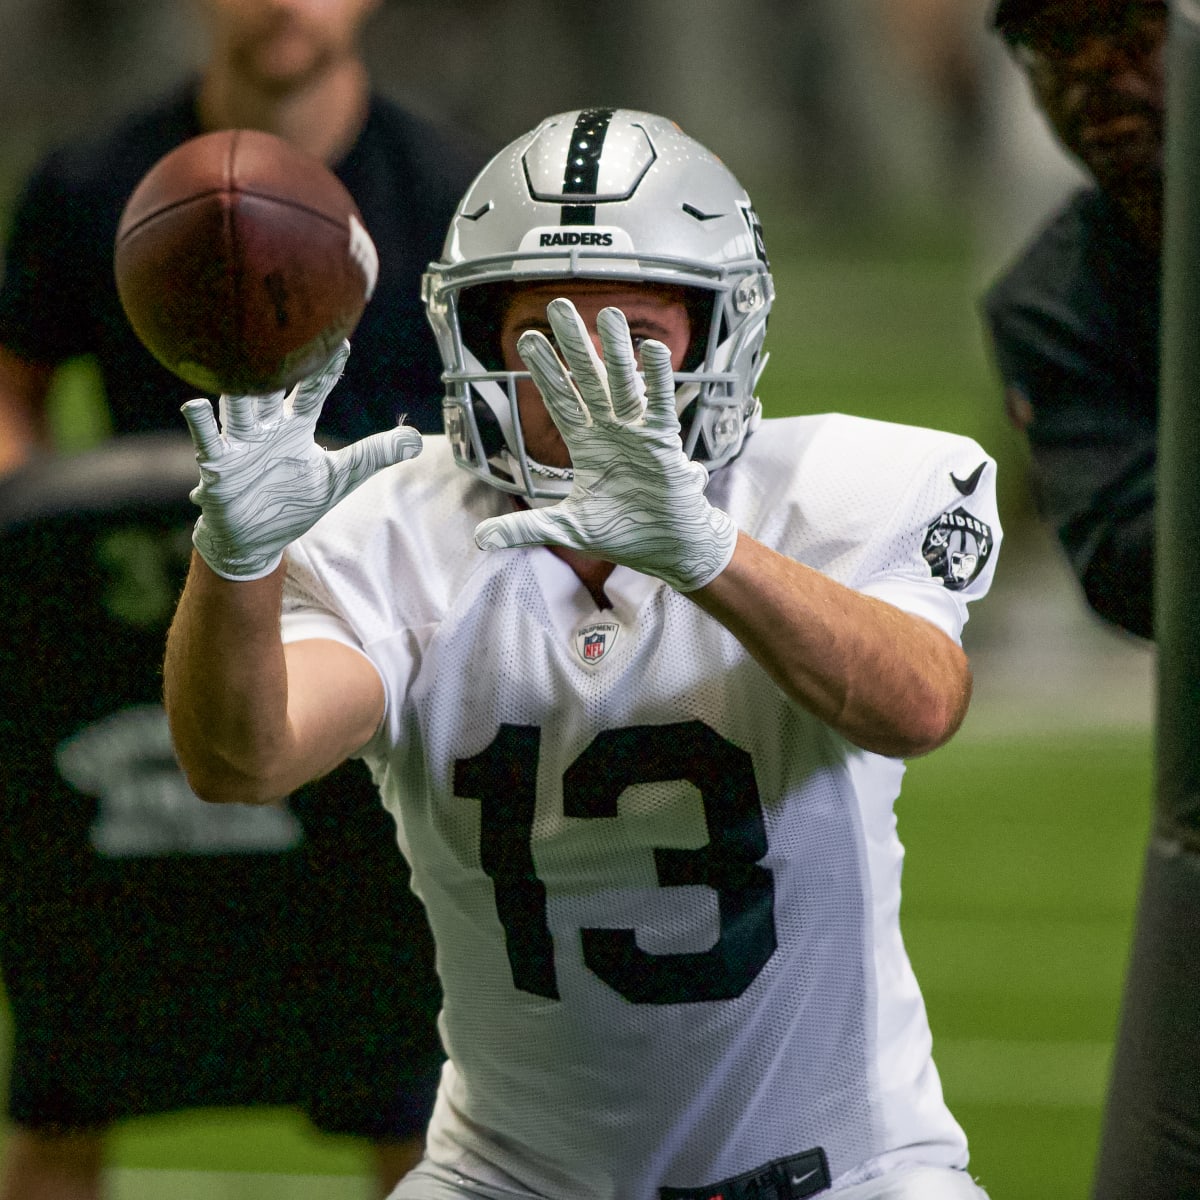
(652, 312)
(1097, 69)
(281, 44)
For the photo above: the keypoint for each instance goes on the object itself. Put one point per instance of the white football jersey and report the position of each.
(665, 898)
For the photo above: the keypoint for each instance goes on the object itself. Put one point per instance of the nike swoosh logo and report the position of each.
(968, 485)
(797, 1180)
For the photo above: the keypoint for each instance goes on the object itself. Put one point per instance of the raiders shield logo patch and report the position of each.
(594, 641)
(957, 547)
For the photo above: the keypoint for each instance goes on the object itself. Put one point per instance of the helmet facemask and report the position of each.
(662, 229)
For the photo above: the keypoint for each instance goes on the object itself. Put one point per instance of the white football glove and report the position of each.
(636, 499)
(264, 481)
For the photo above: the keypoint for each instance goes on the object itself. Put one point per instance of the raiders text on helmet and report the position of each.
(608, 194)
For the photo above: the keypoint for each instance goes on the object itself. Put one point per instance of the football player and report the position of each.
(636, 673)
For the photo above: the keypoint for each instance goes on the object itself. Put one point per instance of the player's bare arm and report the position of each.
(251, 720)
(887, 681)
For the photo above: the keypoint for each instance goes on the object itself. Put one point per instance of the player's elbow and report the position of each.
(937, 714)
(932, 711)
(937, 725)
(218, 781)
(221, 768)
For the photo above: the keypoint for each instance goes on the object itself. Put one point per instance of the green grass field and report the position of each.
(1024, 852)
(1024, 856)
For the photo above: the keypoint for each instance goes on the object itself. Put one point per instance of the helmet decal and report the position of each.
(583, 164)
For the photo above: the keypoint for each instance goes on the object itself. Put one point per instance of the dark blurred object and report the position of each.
(1009, 14)
(1075, 320)
(1150, 1139)
(146, 941)
(158, 952)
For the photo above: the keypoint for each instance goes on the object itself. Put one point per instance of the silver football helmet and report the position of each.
(602, 194)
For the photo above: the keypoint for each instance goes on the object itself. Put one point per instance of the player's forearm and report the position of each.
(225, 687)
(887, 681)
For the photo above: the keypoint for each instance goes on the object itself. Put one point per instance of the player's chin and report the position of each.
(544, 445)
(285, 66)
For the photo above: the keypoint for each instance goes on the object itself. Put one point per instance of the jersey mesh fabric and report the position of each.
(667, 789)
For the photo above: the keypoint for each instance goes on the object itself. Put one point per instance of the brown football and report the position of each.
(242, 263)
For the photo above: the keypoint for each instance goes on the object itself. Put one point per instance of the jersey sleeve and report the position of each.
(938, 552)
(328, 595)
(378, 572)
(310, 607)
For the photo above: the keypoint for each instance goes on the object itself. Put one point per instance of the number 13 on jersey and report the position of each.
(503, 779)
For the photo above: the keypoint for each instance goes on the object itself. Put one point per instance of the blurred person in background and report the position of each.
(1074, 322)
(293, 68)
(290, 67)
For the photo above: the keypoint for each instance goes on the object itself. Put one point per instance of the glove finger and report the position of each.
(587, 369)
(660, 385)
(552, 381)
(237, 416)
(269, 408)
(355, 464)
(529, 527)
(625, 385)
(310, 394)
(202, 425)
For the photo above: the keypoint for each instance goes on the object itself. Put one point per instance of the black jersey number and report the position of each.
(504, 779)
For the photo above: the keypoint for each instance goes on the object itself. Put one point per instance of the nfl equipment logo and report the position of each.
(956, 547)
(594, 641)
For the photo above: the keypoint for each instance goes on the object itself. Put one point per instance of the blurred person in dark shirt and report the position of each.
(1074, 322)
(293, 68)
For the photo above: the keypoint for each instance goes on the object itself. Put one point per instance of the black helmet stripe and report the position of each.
(583, 164)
